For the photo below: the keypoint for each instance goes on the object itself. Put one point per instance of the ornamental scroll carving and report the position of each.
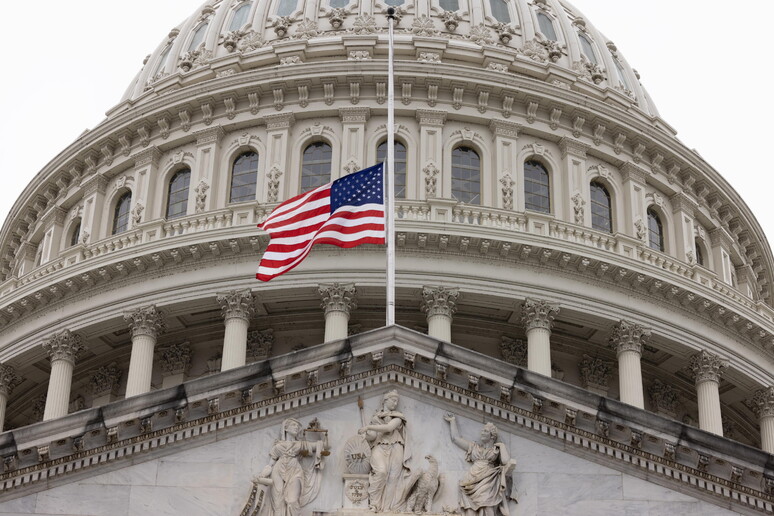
(146, 320)
(439, 301)
(537, 313)
(629, 336)
(707, 367)
(237, 304)
(338, 297)
(64, 345)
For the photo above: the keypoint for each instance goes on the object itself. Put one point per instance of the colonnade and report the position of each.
(439, 303)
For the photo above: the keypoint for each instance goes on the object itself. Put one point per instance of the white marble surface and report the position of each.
(215, 478)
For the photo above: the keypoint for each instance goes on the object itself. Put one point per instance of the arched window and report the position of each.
(316, 166)
(400, 166)
(240, 17)
(655, 231)
(546, 26)
(466, 175)
(121, 213)
(162, 61)
(537, 192)
(586, 48)
(286, 7)
(601, 208)
(75, 234)
(699, 253)
(177, 197)
(500, 11)
(244, 177)
(450, 5)
(621, 74)
(198, 37)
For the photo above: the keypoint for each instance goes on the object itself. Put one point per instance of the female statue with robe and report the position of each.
(484, 489)
(390, 476)
(292, 485)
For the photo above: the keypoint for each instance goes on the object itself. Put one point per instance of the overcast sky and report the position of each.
(707, 66)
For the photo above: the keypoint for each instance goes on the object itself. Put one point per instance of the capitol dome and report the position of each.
(557, 248)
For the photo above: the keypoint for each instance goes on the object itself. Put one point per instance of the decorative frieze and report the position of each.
(664, 398)
(9, 379)
(513, 351)
(629, 336)
(237, 304)
(439, 300)
(707, 367)
(431, 117)
(260, 344)
(175, 359)
(536, 313)
(595, 372)
(338, 297)
(64, 345)
(106, 380)
(146, 320)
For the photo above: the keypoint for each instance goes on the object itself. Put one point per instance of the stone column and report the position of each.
(337, 301)
(439, 303)
(763, 405)
(63, 349)
(538, 318)
(8, 380)
(708, 369)
(146, 324)
(238, 308)
(627, 339)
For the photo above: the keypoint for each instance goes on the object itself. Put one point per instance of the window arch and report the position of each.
(162, 61)
(198, 37)
(466, 175)
(537, 188)
(621, 74)
(601, 208)
(316, 166)
(244, 177)
(177, 194)
(400, 166)
(699, 252)
(587, 48)
(546, 26)
(655, 231)
(75, 234)
(286, 7)
(500, 10)
(121, 213)
(240, 17)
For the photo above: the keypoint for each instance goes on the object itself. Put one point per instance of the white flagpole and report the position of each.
(390, 176)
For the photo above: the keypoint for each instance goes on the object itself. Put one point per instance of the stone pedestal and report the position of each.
(538, 319)
(238, 308)
(63, 349)
(439, 303)
(338, 299)
(708, 369)
(627, 340)
(146, 324)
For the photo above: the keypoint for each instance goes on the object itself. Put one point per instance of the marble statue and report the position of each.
(292, 485)
(390, 476)
(484, 490)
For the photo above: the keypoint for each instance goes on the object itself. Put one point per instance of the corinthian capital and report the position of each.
(338, 297)
(707, 367)
(536, 313)
(628, 336)
(439, 300)
(237, 304)
(146, 320)
(763, 402)
(64, 345)
(8, 379)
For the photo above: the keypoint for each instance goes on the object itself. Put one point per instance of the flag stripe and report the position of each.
(305, 220)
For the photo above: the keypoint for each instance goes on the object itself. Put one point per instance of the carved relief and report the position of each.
(430, 171)
(439, 301)
(664, 398)
(480, 35)
(195, 59)
(338, 297)
(137, 212)
(175, 359)
(64, 345)
(106, 380)
(423, 26)
(306, 29)
(507, 191)
(249, 41)
(707, 367)
(336, 17)
(281, 25)
(201, 196)
(595, 373)
(537, 313)
(237, 304)
(513, 351)
(273, 185)
(364, 24)
(578, 204)
(762, 403)
(9, 379)
(260, 344)
(640, 230)
(629, 336)
(146, 320)
(588, 70)
(451, 20)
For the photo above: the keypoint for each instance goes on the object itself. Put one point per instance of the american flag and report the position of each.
(346, 213)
